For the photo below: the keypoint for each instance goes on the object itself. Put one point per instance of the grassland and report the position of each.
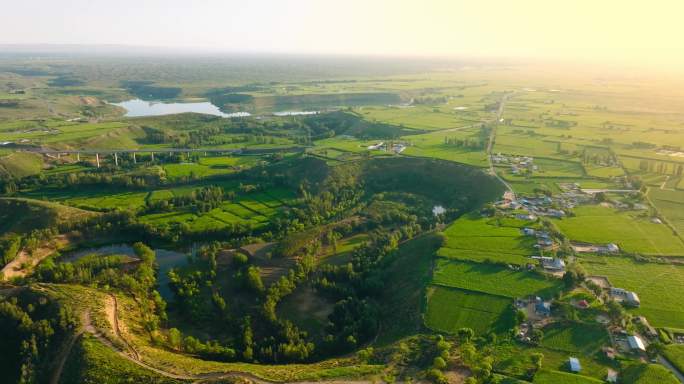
(450, 309)
(630, 230)
(23, 215)
(480, 277)
(659, 286)
(92, 362)
(482, 239)
(21, 164)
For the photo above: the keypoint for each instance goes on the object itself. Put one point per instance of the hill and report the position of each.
(23, 215)
(20, 164)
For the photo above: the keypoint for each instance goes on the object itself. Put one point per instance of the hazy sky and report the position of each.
(627, 31)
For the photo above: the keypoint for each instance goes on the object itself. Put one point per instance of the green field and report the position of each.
(481, 278)
(556, 377)
(578, 338)
(675, 354)
(450, 309)
(481, 239)
(648, 374)
(21, 164)
(627, 229)
(433, 145)
(659, 286)
(670, 204)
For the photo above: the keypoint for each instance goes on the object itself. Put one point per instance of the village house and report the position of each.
(526, 216)
(574, 365)
(553, 264)
(636, 344)
(632, 299)
(528, 231)
(542, 308)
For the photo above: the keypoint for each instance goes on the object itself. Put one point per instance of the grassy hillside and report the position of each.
(21, 164)
(23, 215)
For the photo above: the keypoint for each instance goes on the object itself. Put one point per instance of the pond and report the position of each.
(165, 259)
(138, 108)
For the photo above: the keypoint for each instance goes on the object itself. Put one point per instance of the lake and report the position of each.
(138, 108)
(166, 260)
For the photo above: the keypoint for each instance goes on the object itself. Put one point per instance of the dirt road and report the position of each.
(25, 261)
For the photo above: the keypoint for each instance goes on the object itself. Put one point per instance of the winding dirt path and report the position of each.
(111, 309)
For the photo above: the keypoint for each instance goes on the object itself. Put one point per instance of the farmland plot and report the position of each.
(633, 233)
(493, 279)
(450, 309)
(659, 286)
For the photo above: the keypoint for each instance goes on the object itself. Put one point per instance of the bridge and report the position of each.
(116, 152)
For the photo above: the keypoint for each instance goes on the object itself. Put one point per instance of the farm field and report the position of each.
(659, 286)
(648, 374)
(675, 354)
(416, 117)
(473, 238)
(480, 277)
(433, 145)
(206, 167)
(629, 230)
(552, 377)
(449, 309)
(578, 338)
(670, 204)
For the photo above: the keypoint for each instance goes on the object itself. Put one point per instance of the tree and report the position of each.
(175, 338)
(615, 311)
(439, 363)
(253, 279)
(537, 359)
(465, 334)
(654, 349)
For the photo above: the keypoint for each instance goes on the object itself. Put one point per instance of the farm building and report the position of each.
(635, 343)
(574, 364)
(632, 299)
(553, 264)
(543, 308)
(526, 216)
(528, 231)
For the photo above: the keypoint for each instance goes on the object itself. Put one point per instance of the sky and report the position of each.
(625, 31)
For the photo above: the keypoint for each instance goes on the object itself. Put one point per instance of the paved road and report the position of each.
(672, 368)
(490, 145)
